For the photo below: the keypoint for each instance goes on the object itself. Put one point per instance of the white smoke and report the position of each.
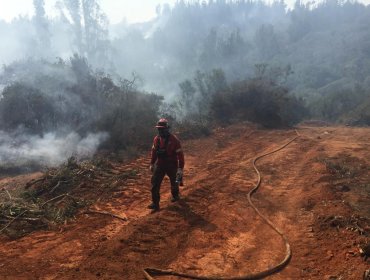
(48, 150)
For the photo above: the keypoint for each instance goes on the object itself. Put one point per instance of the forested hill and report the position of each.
(320, 52)
(325, 45)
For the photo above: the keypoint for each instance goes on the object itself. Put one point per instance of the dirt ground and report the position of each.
(316, 190)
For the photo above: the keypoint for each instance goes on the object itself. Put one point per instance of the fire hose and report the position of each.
(148, 272)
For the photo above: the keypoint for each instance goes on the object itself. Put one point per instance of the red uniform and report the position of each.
(167, 157)
(174, 155)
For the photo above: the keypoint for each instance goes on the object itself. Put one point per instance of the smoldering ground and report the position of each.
(21, 151)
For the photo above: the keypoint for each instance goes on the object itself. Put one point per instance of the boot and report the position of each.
(154, 207)
(175, 193)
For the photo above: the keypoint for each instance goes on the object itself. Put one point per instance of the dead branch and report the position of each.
(360, 229)
(55, 198)
(57, 185)
(4, 228)
(23, 218)
(60, 201)
(82, 172)
(105, 213)
(29, 184)
(10, 197)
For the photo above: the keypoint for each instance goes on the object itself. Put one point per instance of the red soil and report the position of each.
(213, 230)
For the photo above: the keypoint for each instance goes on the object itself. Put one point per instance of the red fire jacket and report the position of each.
(174, 153)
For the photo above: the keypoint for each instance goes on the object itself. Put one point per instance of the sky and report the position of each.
(116, 10)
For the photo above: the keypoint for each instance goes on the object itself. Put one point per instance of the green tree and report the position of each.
(23, 106)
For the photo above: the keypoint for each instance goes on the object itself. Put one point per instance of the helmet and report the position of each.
(162, 123)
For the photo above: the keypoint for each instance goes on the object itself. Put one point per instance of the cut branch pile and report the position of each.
(353, 223)
(58, 195)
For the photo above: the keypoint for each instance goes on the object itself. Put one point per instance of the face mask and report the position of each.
(163, 132)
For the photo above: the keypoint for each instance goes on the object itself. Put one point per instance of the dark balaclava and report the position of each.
(163, 132)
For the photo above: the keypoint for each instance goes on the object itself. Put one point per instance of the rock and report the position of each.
(351, 253)
(365, 250)
(329, 255)
(366, 275)
(343, 188)
(103, 238)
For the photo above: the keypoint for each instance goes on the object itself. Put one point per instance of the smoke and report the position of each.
(52, 80)
(18, 149)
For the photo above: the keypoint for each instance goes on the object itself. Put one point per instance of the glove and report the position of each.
(180, 172)
(151, 168)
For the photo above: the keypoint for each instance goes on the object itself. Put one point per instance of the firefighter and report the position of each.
(167, 158)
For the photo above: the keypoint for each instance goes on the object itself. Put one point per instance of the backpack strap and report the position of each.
(158, 142)
(165, 142)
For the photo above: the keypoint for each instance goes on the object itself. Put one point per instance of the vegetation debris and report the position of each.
(58, 195)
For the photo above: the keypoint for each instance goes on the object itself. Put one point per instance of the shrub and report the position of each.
(25, 106)
(260, 101)
(67, 97)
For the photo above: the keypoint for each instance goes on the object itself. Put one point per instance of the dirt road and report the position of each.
(316, 190)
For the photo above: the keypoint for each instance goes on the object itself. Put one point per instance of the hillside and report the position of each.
(316, 190)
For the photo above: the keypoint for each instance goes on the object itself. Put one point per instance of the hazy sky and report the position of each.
(132, 10)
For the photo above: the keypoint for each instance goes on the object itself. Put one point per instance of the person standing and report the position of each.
(167, 158)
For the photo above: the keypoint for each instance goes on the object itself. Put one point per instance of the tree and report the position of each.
(90, 27)
(74, 9)
(41, 26)
(96, 31)
(23, 106)
(266, 41)
(216, 81)
(300, 23)
(187, 96)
